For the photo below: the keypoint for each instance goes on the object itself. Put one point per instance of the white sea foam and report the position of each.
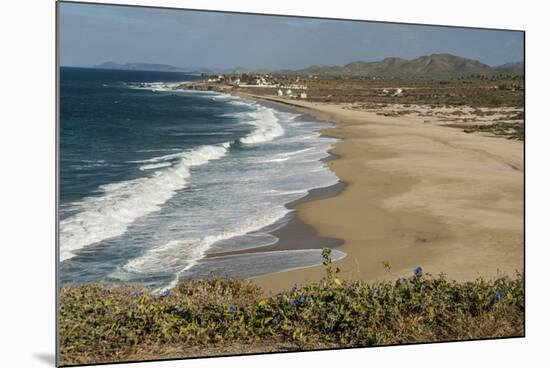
(282, 159)
(239, 102)
(155, 166)
(119, 204)
(223, 96)
(266, 124)
(282, 192)
(157, 86)
(169, 157)
(294, 153)
(86, 164)
(177, 256)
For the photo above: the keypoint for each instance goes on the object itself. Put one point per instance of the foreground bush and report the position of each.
(227, 316)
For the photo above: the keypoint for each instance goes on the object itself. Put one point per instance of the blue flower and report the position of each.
(165, 293)
(418, 271)
(232, 309)
(404, 280)
(293, 289)
(138, 294)
(133, 306)
(499, 295)
(303, 298)
(276, 319)
(293, 301)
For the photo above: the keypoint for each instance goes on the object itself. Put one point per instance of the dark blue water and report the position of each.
(153, 178)
(105, 125)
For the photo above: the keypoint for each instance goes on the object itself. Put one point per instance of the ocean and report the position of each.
(153, 180)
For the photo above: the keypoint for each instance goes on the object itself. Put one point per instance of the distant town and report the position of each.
(280, 85)
(329, 88)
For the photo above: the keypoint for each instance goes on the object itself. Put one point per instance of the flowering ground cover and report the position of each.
(223, 316)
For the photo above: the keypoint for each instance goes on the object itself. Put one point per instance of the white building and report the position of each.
(279, 93)
(296, 86)
(303, 95)
(261, 81)
(289, 92)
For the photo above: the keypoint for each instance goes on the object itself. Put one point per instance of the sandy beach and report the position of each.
(417, 194)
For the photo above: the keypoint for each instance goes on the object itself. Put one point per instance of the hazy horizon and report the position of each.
(93, 34)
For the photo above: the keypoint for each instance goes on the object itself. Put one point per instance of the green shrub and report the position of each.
(105, 323)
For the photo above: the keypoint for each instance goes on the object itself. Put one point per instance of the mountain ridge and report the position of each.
(442, 65)
(434, 65)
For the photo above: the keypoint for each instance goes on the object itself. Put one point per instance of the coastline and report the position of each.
(295, 234)
(417, 195)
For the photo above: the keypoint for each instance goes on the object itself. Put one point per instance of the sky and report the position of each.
(92, 34)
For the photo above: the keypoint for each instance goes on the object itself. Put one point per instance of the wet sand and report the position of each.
(417, 194)
(296, 234)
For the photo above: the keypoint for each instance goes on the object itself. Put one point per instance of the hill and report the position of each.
(438, 66)
(511, 68)
(433, 66)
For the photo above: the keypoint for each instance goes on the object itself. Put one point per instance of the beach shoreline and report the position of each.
(417, 195)
(292, 233)
(295, 234)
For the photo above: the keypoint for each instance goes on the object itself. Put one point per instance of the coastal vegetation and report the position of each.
(224, 316)
(467, 91)
(514, 131)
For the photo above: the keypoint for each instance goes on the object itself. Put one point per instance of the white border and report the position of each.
(27, 181)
